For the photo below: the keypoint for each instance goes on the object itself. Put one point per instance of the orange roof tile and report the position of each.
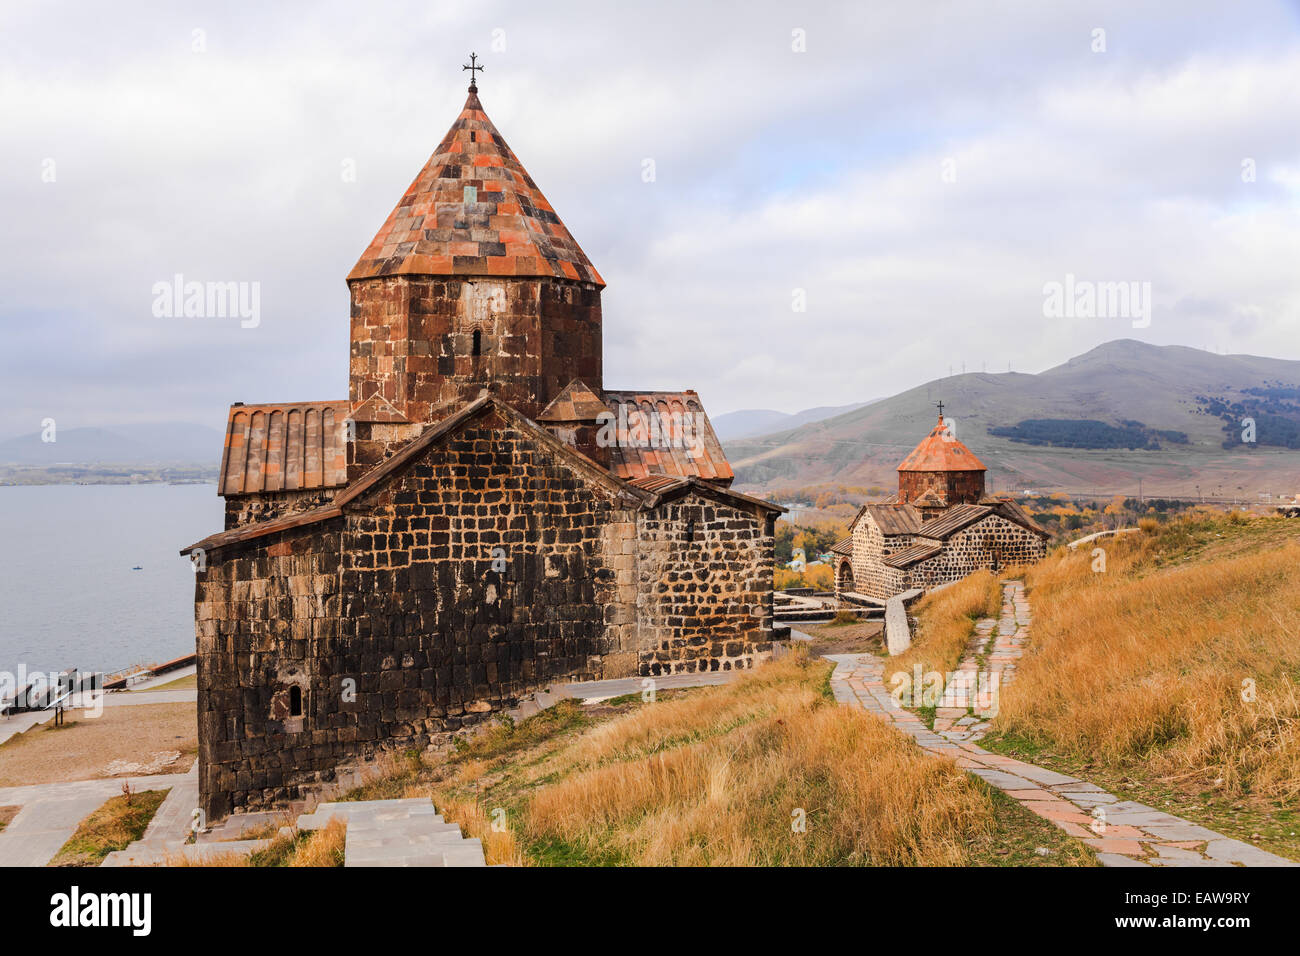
(654, 436)
(474, 210)
(941, 451)
(284, 448)
(576, 403)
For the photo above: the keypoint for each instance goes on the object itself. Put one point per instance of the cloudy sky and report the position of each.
(913, 172)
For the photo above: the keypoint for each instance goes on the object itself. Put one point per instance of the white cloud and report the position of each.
(776, 171)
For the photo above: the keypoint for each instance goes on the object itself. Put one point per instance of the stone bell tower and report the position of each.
(473, 282)
(940, 472)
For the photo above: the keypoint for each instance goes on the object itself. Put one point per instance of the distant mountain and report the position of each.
(158, 443)
(1180, 404)
(760, 421)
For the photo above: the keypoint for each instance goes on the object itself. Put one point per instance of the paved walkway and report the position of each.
(166, 678)
(1123, 833)
(16, 724)
(51, 812)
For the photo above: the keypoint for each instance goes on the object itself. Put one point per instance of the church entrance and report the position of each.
(844, 576)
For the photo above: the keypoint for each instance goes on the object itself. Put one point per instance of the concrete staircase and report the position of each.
(379, 833)
(397, 833)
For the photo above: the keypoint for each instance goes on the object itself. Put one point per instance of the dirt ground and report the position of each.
(866, 637)
(122, 742)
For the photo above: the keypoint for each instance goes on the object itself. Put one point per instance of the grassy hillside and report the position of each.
(717, 777)
(1174, 675)
(1119, 382)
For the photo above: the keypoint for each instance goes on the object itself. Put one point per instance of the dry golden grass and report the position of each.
(947, 622)
(719, 778)
(114, 826)
(323, 847)
(1182, 655)
(499, 845)
(85, 746)
(231, 859)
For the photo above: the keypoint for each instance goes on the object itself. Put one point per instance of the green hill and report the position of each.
(1178, 400)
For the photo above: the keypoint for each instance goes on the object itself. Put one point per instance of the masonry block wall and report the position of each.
(486, 570)
(956, 487)
(267, 505)
(870, 576)
(991, 542)
(706, 577)
(429, 344)
(268, 618)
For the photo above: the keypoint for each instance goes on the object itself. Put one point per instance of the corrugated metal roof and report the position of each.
(941, 451)
(953, 520)
(474, 210)
(653, 438)
(895, 519)
(287, 447)
(912, 554)
(657, 483)
(844, 546)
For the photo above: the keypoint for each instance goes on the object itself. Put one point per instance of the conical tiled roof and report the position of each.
(474, 210)
(941, 451)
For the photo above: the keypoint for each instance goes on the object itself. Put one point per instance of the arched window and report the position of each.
(295, 701)
(478, 342)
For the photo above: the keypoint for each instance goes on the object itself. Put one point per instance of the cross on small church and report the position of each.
(940, 404)
(473, 66)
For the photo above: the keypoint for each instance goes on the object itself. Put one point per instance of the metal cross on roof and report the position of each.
(940, 404)
(472, 66)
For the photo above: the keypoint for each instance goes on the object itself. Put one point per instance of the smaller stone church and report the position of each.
(938, 528)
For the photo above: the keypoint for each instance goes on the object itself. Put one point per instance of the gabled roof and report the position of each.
(474, 210)
(376, 408)
(953, 520)
(1015, 514)
(891, 519)
(576, 403)
(912, 554)
(843, 546)
(652, 437)
(941, 451)
(285, 447)
(669, 489)
(650, 495)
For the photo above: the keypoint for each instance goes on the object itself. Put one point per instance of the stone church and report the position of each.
(479, 518)
(938, 528)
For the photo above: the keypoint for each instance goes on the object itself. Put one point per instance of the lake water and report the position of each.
(68, 594)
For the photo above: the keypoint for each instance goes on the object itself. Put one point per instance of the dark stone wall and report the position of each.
(267, 617)
(266, 505)
(413, 341)
(483, 571)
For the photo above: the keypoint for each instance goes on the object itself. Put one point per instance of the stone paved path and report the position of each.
(1123, 833)
(51, 812)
